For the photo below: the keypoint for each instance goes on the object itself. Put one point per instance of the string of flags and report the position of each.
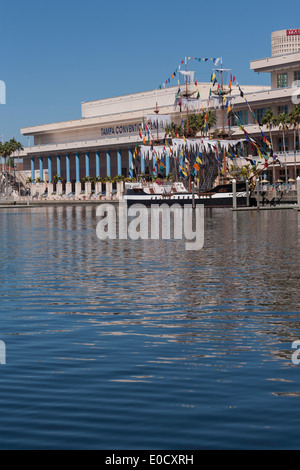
(254, 145)
(227, 102)
(178, 69)
(185, 166)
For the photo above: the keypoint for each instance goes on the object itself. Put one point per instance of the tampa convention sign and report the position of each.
(121, 129)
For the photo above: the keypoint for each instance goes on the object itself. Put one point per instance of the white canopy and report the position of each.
(191, 104)
(149, 152)
(199, 145)
(159, 119)
(188, 74)
(196, 145)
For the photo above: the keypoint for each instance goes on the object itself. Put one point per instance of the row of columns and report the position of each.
(87, 165)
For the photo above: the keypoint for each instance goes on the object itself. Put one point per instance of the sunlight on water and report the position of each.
(143, 344)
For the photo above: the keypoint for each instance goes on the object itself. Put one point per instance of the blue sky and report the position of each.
(57, 54)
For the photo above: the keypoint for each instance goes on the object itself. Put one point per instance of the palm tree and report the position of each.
(248, 171)
(235, 171)
(9, 147)
(193, 126)
(294, 120)
(201, 122)
(174, 130)
(282, 121)
(56, 179)
(269, 120)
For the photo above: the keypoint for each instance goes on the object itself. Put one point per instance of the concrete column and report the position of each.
(33, 189)
(77, 163)
(68, 188)
(247, 193)
(98, 188)
(119, 156)
(68, 170)
(42, 188)
(193, 195)
(108, 190)
(87, 164)
(58, 165)
(120, 189)
(257, 193)
(50, 168)
(32, 169)
(130, 163)
(108, 163)
(298, 191)
(59, 189)
(50, 190)
(41, 168)
(88, 189)
(77, 189)
(97, 164)
(234, 202)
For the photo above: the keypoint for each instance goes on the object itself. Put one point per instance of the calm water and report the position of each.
(143, 345)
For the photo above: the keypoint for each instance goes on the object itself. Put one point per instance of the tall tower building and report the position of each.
(285, 41)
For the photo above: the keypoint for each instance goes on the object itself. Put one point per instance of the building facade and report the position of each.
(282, 97)
(104, 141)
(285, 41)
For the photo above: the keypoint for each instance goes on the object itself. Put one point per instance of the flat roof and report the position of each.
(275, 62)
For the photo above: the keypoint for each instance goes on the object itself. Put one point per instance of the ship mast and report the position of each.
(187, 108)
(223, 93)
(156, 110)
(186, 95)
(223, 121)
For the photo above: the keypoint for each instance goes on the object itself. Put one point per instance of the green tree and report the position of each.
(197, 123)
(282, 121)
(56, 179)
(8, 148)
(174, 130)
(270, 120)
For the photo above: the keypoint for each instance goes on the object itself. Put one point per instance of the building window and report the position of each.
(297, 76)
(281, 146)
(282, 109)
(241, 118)
(282, 174)
(259, 114)
(282, 81)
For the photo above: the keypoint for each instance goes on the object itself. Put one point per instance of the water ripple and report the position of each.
(121, 344)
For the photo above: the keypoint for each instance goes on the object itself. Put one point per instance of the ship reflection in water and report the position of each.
(145, 345)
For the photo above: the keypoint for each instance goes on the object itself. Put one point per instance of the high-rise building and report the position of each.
(285, 41)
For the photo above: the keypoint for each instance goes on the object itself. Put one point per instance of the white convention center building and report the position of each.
(103, 141)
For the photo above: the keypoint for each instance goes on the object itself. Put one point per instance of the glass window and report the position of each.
(282, 81)
(297, 76)
(281, 146)
(282, 174)
(259, 114)
(282, 109)
(241, 118)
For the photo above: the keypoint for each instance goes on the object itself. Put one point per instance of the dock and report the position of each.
(268, 208)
